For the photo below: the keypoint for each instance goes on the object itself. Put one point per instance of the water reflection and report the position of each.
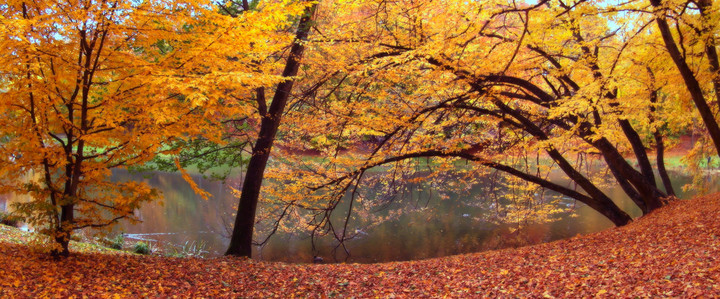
(433, 228)
(439, 228)
(183, 216)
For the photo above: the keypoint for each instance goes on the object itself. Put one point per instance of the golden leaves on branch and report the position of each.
(111, 84)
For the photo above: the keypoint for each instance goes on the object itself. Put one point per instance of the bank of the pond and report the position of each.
(10, 236)
(672, 252)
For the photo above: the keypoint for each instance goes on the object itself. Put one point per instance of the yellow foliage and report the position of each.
(96, 85)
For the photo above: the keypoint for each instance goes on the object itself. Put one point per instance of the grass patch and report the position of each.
(13, 235)
(142, 248)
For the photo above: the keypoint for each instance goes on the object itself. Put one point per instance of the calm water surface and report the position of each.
(430, 228)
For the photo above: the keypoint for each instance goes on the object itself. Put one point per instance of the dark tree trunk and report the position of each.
(649, 193)
(64, 231)
(659, 143)
(600, 202)
(607, 208)
(661, 164)
(632, 136)
(67, 209)
(710, 51)
(691, 83)
(639, 150)
(241, 239)
(628, 188)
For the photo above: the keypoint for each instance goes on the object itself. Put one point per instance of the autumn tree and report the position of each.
(247, 134)
(271, 115)
(517, 88)
(695, 36)
(91, 86)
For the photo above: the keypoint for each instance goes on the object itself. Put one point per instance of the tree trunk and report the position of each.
(628, 188)
(649, 193)
(241, 239)
(659, 143)
(63, 232)
(600, 202)
(691, 83)
(710, 51)
(639, 149)
(661, 164)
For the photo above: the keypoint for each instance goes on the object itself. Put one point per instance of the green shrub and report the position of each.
(118, 242)
(142, 248)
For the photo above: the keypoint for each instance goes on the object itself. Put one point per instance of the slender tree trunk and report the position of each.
(241, 239)
(602, 203)
(691, 83)
(632, 136)
(712, 56)
(661, 164)
(657, 135)
(710, 50)
(67, 205)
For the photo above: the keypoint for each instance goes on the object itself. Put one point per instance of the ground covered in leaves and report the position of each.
(672, 252)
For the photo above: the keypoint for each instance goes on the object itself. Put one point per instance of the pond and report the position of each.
(434, 228)
(437, 227)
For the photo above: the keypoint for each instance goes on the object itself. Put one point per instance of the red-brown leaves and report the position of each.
(671, 252)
